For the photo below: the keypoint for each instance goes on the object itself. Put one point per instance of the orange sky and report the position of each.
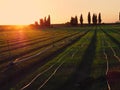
(27, 11)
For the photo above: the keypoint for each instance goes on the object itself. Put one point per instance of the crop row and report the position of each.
(84, 60)
(15, 52)
(63, 62)
(69, 40)
(113, 60)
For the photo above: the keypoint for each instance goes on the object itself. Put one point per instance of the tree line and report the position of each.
(44, 22)
(74, 21)
(91, 20)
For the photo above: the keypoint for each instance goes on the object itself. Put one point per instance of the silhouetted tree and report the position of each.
(48, 21)
(94, 19)
(45, 20)
(99, 18)
(41, 22)
(74, 21)
(81, 19)
(119, 16)
(36, 23)
(89, 18)
(71, 21)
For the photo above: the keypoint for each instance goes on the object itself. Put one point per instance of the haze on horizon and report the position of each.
(28, 11)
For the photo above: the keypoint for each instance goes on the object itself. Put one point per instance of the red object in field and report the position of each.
(113, 77)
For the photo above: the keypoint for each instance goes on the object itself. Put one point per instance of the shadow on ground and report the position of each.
(81, 79)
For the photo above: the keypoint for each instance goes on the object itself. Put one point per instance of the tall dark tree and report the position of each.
(89, 18)
(119, 16)
(49, 21)
(74, 21)
(45, 20)
(99, 18)
(41, 22)
(94, 19)
(81, 19)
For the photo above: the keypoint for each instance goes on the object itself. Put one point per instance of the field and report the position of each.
(64, 58)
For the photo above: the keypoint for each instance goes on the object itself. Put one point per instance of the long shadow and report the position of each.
(80, 79)
(85, 66)
(34, 66)
(112, 38)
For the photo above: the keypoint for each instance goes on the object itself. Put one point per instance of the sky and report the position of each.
(29, 11)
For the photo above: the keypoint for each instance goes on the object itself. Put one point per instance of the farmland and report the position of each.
(65, 58)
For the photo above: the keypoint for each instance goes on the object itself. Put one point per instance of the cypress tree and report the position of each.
(99, 18)
(76, 20)
(81, 19)
(71, 21)
(41, 22)
(48, 22)
(45, 20)
(89, 18)
(94, 19)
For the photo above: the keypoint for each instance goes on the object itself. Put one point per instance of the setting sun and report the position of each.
(28, 11)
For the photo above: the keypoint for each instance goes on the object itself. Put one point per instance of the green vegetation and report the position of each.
(65, 58)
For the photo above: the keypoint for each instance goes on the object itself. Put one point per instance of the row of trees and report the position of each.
(94, 19)
(74, 20)
(44, 22)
